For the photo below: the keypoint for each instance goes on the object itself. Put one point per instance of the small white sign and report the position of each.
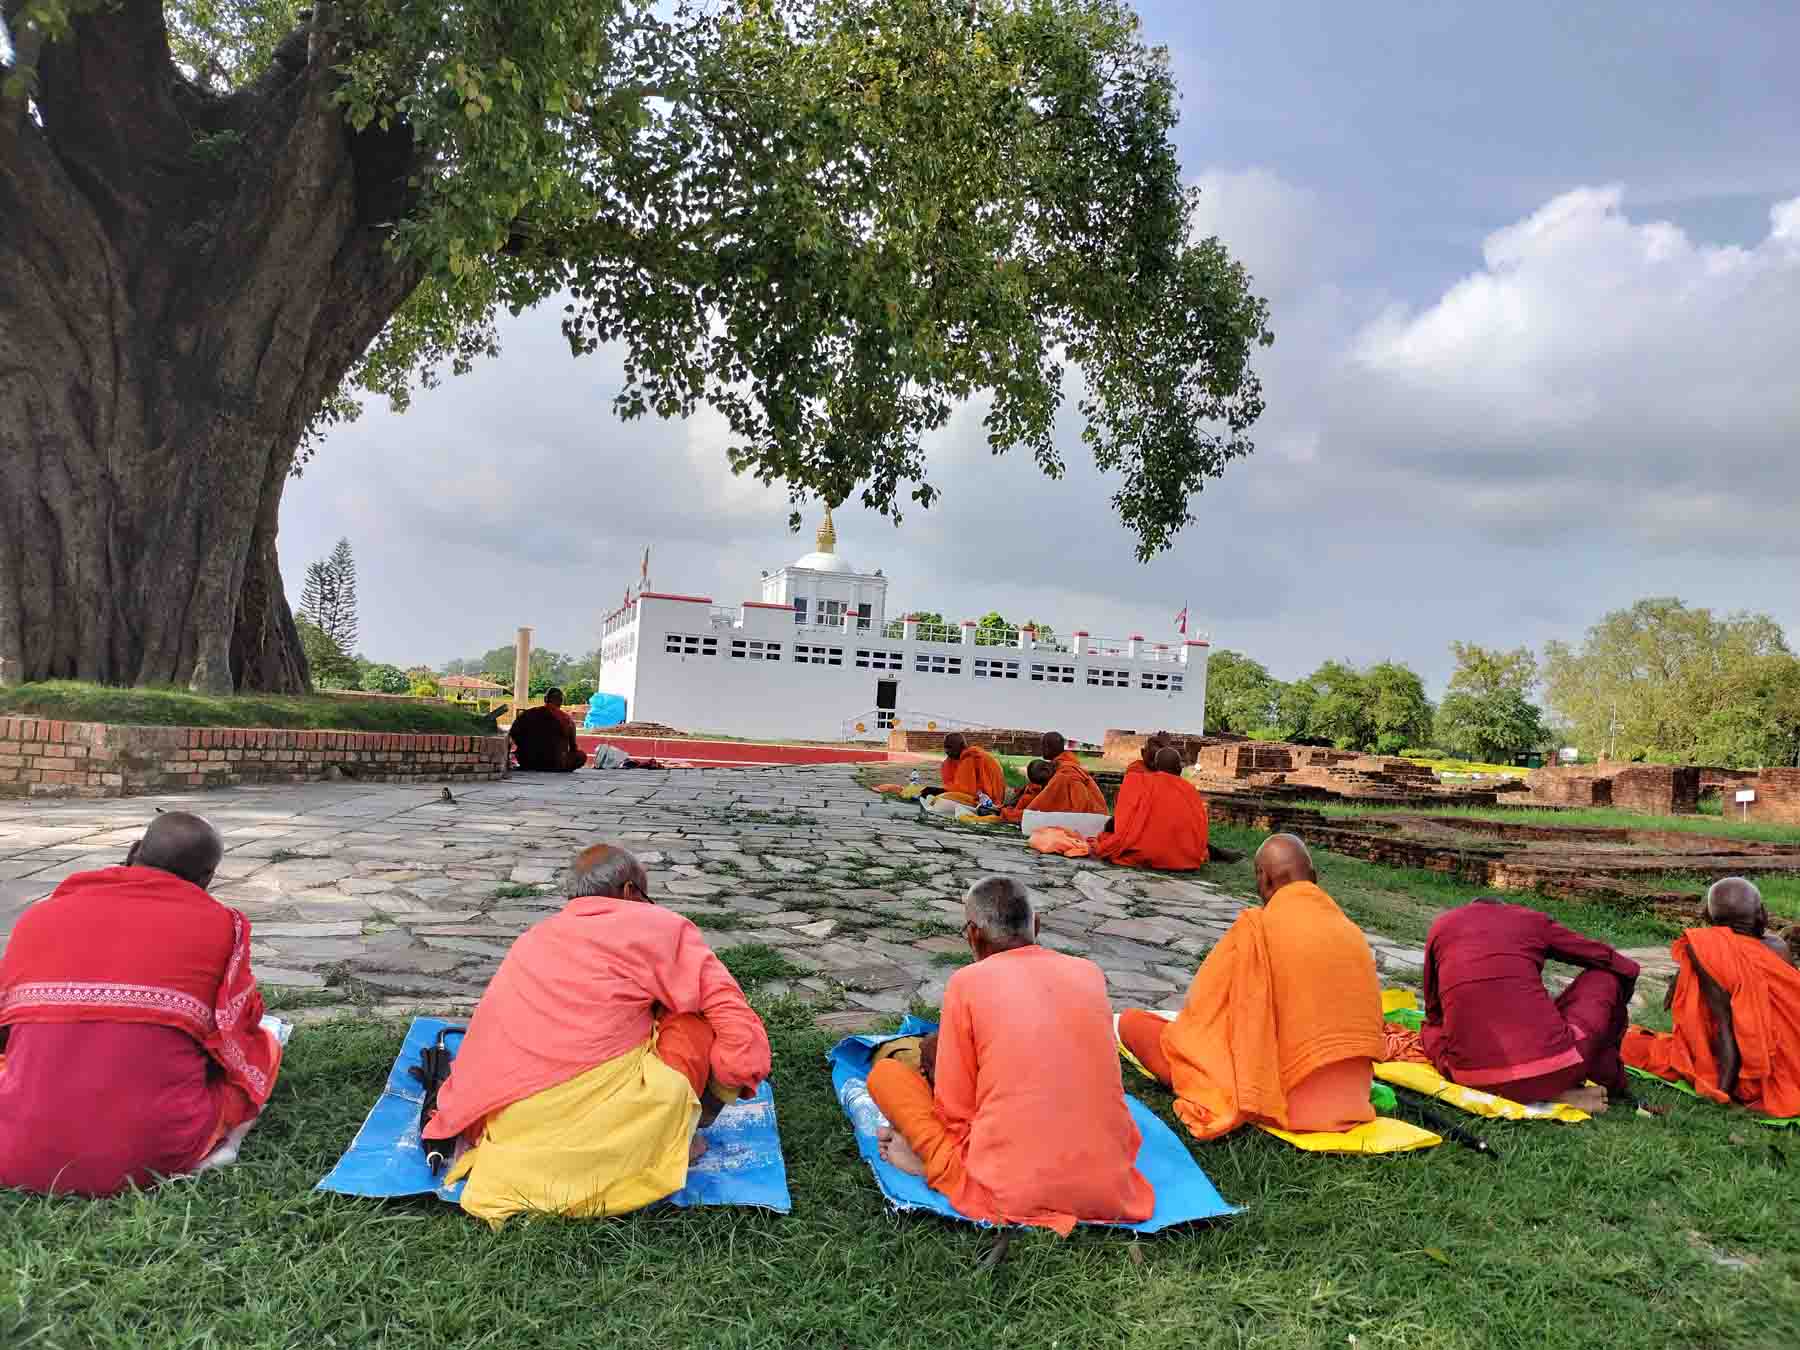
(1746, 794)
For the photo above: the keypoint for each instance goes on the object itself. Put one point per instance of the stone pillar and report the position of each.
(909, 629)
(1135, 646)
(1027, 639)
(521, 671)
(1079, 643)
(968, 633)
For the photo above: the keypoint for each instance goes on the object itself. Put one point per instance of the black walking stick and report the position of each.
(1438, 1123)
(431, 1071)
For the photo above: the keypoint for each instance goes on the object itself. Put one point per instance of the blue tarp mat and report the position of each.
(1183, 1191)
(604, 710)
(742, 1165)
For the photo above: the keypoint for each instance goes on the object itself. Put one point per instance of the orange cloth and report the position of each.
(1028, 795)
(1331, 1099)
(1159, 822)
(684, 1042)
(1056, 839)
(1028, 1097)
(1765, 1019)
(582, 988)
(1290, 990)
(974, 771)
(1071, 788)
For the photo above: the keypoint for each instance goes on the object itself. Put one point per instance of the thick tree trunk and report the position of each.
(183, 279)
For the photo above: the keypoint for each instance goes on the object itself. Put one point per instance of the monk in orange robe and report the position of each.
(1021, 1116)
(969, 772)
(1737, 1011)
(1282, 1024)
(1071, 787)
(1160, 821)
(1037, 776)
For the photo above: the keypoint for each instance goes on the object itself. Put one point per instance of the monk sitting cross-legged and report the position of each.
(1037, 778)
(1071, 788)
(1027, 1121)
(1737, 1010)
(1159, 822)
(1490, 1023)
(970, 773)
(544, 738)
(1282, 1024)
(131, 1023)
(609, 1034)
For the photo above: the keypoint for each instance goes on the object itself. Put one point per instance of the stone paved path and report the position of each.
(387, 896)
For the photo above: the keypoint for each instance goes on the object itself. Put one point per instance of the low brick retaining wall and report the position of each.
(98, 759)
(1777, 798)
(1001, 741)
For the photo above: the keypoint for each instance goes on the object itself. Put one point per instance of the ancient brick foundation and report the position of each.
(1121, 747)
(1651, 789)
(1002, 741)
(1777, 798)
(95, 759)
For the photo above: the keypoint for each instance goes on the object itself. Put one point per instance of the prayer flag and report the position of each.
(1181, 621)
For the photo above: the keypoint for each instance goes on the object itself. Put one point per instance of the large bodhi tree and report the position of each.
(832, 220)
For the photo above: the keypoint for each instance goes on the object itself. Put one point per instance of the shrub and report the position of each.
(385, 679)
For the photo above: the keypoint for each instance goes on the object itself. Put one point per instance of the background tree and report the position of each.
(1399, 714)
(1341, 710)
(1241, 696)
(384, 679)
(830, 220)
(329, 597)
(1663, 682)
(1487, 713)
(331, 667)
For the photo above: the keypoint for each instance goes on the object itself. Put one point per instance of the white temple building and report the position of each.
(818, 658)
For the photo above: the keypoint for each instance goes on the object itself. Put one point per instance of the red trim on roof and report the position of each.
(1135, 637)
(763, 604)
(1081, 632)
(1200, 644)
(970, 623)
(690, 599)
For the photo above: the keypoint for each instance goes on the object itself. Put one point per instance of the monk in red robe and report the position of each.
(131, 1023)
(1037, 778)
(1159, 822)
(1491, 1024)
(970, 773)
(1071, 788)
(1736, 1007)
(1023, 1119)
(544, 738)
(1282, 1024)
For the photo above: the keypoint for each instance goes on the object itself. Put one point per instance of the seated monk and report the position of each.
(1736, 1007)
(969, 773)
(1159, 822)
(131, 1024)
(1037, 778)
(1282, 1024)
(1490, 1023)
(1071, 787)
(608, 1035)
(1025, 1119)
(544, 738)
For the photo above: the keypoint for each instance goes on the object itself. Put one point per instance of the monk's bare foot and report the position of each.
(696, 1149)
(1589, 1099)
(896, 1152)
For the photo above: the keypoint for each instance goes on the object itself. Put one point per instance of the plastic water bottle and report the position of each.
(864, 1114)
(914, 780)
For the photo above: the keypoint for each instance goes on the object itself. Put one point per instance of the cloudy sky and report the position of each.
(1535, 278)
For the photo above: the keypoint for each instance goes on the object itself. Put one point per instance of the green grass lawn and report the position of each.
(1607, 817)
(1402, 902)
(75, 701)
(1622, 1233)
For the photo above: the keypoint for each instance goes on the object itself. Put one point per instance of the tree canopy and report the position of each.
(1487, 712)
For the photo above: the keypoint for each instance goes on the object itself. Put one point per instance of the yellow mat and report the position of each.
(1427, 1080)
(1384, 1134)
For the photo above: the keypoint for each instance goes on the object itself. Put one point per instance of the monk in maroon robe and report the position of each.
(1491, 1024)
(544, 738)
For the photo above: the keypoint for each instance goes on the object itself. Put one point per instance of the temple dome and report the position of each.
(826, 558)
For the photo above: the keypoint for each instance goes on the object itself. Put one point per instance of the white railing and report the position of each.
(1158, 651)
(1105, 646)
(939, 632)
(996, 637)
(894, 630)
(724, 616)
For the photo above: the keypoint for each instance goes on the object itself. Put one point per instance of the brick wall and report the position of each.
(96, 759)
(1777, 798)
(1000, 741)
(1653, 789)
(1121, 747)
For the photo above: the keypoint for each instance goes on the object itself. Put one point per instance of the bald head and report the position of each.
(1040, 772)
(607, 871)
(1168, 760)
(954, 745)
(183, 844)
(1052, 745)
(1281, 861)
(1153, 745)
(1736, 904)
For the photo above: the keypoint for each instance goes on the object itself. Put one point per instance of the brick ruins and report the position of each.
(1652, 789)
(1318, 773)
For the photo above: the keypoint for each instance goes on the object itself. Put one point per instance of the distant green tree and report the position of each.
(1294, 705)
(380, 678)
(1241, 696)
(328, 599)
(1399, 713)
(330, 667)
(1341, 707)
(1487, 713)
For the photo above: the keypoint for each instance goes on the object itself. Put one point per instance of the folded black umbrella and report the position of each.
(430, 1072)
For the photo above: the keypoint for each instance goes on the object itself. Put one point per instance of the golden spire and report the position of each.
(827, 536)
